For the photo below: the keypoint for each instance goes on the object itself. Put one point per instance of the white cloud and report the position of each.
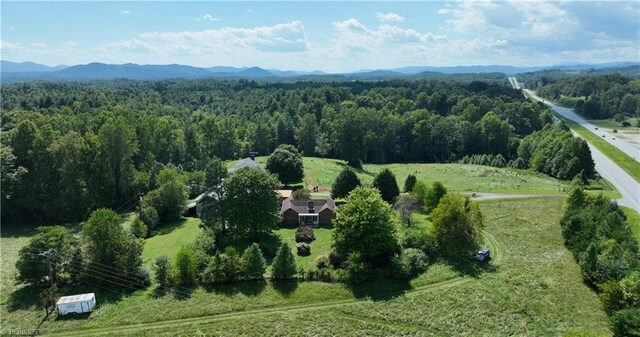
(125, 12)
(389, 17)
(285, 37)
(208, 17)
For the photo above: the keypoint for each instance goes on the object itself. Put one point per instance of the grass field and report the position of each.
(623, 160)
(532, 287)
(168, 239)
(456, 177)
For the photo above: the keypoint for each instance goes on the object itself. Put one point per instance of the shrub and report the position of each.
(322, 261)
(213, 271)
(149, 216)
(304, 233)
(185, 266)
(412, 261)
(336, 259)
(284, 264)
(626, 322)
(141, 277)
(422, 240)
(231, 264)
(434, 194)
(138, 228)
(357, 268)
(253, 262)
(615, 130)
(303, 249)
(162, 270)
(301, 194)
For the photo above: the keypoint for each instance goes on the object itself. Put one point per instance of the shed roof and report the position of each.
(76, 298)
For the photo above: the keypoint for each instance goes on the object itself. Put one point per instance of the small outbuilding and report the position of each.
(76, 304)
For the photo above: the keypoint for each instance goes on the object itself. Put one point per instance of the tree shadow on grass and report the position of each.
(169, 227)
(269, 244)
(285, 287)
(73, 317)
(470, 267)
(247, 288)
(380, 289)
(357, 170)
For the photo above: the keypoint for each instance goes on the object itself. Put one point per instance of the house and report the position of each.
(76, 304)
(246, 162)
(305, 211)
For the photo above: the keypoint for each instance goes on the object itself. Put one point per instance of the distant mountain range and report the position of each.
(29, 71)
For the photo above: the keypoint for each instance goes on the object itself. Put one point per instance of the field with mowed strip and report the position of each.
(531, 287)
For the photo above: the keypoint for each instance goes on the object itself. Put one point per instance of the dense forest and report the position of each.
(599, 96)
(69, 148)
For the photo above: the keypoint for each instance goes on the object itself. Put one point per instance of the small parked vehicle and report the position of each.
(603, 136)
(482, 255)
(596, 128)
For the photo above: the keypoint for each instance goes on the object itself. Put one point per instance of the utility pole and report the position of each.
(50, 293)
(47, 255)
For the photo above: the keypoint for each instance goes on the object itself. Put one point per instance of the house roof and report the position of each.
(242, 163)
(302, 205)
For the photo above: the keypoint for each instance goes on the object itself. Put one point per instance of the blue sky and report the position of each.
(329, 36)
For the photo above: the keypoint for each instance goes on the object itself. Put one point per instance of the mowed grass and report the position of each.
(623, 160)
(167, 239)
(456, 177)
(531, 288)
(321, 245)
(633, 219)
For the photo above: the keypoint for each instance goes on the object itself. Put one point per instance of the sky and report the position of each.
(328, 36)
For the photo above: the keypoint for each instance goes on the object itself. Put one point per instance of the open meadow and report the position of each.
(531, 287)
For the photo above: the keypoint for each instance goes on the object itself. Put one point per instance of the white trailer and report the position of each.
(76, 304)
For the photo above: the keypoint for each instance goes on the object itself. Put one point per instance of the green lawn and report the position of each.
(456, 177)
(623, 160)
(532, 287)
(168, 239)
(321, 245)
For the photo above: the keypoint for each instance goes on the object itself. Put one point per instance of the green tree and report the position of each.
(284, 264)
(576, 198)
(185, 266)
(364, 225)
(286, 165)
(434, 195)
(307, 134)
(406, 205)
(409, 183)
(386, 183)
(346, 181)
(251, 204)
(170, 197)
(350, 129)
(32, 265)
(420, 191)
(215, 173)
(117, 146)
(162, 270)
(139, 228)
(253, 262)
(149, 216)
(457, 224)
(109, 244)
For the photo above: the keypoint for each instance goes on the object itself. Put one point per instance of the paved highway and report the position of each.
(621, 180)
(628, 143)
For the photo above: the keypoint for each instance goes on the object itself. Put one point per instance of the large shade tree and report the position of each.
(457, 223)
(251, 203)
(365, 225)
(286, 165)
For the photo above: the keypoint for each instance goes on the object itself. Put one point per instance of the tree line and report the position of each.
(597, 233)
(70, 148)
(596, 96)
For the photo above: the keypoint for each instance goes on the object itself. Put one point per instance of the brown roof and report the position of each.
(302, 205)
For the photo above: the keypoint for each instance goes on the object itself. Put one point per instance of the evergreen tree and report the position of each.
(410, 182)
(386, 183)
(253, 262)
(284, 264)
(433, 196)
(162, 270)
(346, 181)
